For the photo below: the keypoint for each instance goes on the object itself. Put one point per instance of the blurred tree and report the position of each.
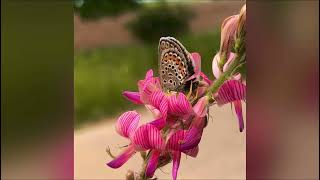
(95, 9)
(160, 20)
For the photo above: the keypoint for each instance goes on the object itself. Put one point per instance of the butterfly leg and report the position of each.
(190, 92)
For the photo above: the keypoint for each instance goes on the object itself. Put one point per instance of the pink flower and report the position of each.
(143, 138)
(174, 104)
(184, 123)
(233, 91)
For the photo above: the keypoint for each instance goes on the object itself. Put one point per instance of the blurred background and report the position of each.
(115, 44)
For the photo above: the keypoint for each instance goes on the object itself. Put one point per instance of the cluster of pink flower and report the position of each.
(179, 119)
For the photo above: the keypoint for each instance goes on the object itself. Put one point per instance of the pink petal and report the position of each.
(122, 158)
(194, 134)
(147, 87)
(215, 66)
(152, 163)
(147, 137)
(237, 76)
(149, 74)
(159, 123)
(230, 91)
(192, 138)
(196, 61)
(205, 78)
(179, 105)
(132, 96)
(140, 138)
(155, 139)
(127, 123)
(192, 152)
(159, 101)
(229, 61)
(238, 109)
(201, 107)
(175, 140)
(176, 163)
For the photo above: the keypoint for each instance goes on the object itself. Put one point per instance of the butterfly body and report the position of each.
(175, 65)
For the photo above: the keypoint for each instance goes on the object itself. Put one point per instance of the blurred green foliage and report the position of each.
(95, 9)
(102, 74)
(160, 20)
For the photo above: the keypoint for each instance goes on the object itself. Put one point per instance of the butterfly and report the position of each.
(175, 65)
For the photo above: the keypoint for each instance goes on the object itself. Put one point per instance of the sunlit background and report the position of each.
(116, 43)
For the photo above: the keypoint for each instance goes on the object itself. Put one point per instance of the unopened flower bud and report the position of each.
(228, 33)
(242, 22)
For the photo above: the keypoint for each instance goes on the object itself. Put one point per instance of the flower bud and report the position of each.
(242, 22)
(228, 33)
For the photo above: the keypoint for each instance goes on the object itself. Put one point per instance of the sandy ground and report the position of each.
(222, 152)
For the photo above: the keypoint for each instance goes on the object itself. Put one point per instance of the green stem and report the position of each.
(225, 75)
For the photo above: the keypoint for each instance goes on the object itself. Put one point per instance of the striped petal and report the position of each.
(159, 100)
(154, 137)
(238, 109)
(127, 123)
(230, 91)
(147, 137)
(122, 158)
(176, 163)
(175, 140)
(132, 96)
(152, 163)
(179, 105)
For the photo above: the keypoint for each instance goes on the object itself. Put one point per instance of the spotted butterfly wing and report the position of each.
(175, 65)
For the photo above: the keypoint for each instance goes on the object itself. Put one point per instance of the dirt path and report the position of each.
(222, 152)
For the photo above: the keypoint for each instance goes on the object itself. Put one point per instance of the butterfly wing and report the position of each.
(175, 65)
